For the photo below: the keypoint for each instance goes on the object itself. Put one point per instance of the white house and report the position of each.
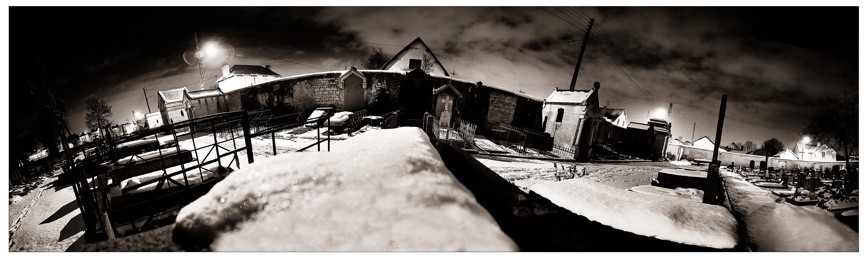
(705, 143)
(154, 120)
(787, 154)
(814, 152)
(616, 116)
(241, 76)
(416, 55)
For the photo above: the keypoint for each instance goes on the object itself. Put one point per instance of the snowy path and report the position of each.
(526, 172)
(775, 225)
(51, 224)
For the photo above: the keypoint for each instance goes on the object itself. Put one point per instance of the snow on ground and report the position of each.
(526, 172)
(691, 194)
(382, 190)
(487, 145)
(681, 163)
(663, 217)
(51, 224)
(775, 225)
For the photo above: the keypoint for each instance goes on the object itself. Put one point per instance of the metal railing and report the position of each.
(564, 151)
(211, 147)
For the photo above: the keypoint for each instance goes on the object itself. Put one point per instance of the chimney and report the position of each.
(268, 67)
(226, 70)
(596, 86)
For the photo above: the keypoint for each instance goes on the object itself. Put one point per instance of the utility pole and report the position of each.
(713, 189)
(200, 69)
(145, 100)
(580, 56)
(693, 132)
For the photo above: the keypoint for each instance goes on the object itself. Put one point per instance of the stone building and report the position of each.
(173, 105)
(571, 117)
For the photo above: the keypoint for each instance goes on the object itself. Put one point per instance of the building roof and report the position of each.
(172, 95)
(410, 46)
(252, 69)
(812, 147)
(203, 93)
(613, 113)
(568, 96)
(639, 126)
(447, 86)
(660, 129)
(706, 144)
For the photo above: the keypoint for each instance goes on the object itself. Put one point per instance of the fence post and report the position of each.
(274, 142)
(245, 122)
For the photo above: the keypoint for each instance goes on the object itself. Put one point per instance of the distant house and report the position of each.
(173, 105)
(568, 116)
(616, 116)
(814, 152)
(787, 154)
(648, 140)
(416, 55)
(206, 102)
(237, 77)
(705, 143)
(154, 119)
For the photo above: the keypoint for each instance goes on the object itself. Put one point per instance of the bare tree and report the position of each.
(427, 63)
(835, 123)
(98, 113)
(749, 146)
(376, 59)
(771, 147)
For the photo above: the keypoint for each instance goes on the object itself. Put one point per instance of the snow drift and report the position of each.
(662, 217)
(382, 190)
(774, 225)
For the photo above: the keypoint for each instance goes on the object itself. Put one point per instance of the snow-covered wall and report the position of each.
(382, 190)
(663, 217)
(775, 225)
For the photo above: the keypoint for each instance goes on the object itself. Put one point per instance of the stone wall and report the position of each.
(741, 159)
(327, 92)
(482, 105)
(501, 109)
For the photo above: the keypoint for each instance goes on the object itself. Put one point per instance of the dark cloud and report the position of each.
(772, 62)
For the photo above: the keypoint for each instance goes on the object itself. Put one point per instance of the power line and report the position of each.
(606, 52)
(564, 20)
(608, 49)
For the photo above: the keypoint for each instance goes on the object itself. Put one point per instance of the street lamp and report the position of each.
(658, 113)
(211, 49)
(806, 139)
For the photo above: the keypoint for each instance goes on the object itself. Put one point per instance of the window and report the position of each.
(559, 113)
(822, 154)
(414, 63)
(181, 113)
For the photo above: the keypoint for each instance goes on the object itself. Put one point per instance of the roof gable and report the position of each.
(613, 113)
(449, 87)
(252, 69)
(415, 44)
(203, 93)
(706, 144)
(172, 95)
(569, 96)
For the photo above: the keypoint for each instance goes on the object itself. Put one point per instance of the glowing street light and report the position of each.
(806, 139)
(211, 49)
(658, 113)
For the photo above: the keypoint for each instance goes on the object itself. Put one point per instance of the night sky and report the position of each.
(773, 62)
